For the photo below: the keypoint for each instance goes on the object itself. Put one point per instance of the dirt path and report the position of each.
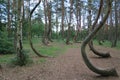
(69, 66)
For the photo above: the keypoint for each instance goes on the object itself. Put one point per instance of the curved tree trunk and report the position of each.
(30, 41)
(103, 72)
(101, 54)
(104, 55)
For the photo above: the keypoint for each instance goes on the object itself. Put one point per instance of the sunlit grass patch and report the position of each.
(51, 50)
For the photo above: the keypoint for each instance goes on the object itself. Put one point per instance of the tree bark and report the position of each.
(104, 55)
(45, 37)
(49, 8)
(8, 18)
(56, 23)
(89, 14)
(78, 18)
(19, 48)
(14, 16)
(102, 72)
(62, 20)
(101, 54)
(114, 43)
(69, 24)
(30, 41)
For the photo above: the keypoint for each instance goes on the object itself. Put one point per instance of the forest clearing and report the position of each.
(59, 39)
(67, 65)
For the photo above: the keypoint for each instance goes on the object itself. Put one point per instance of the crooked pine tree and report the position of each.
(100, 71)
(30, 41)
(100, 54)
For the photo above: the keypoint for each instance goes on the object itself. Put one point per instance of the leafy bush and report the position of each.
(6, 45)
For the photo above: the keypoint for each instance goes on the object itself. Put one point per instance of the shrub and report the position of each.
(21, 62)
(6, 45)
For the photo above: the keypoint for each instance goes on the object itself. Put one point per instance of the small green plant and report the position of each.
(21, 62)
(6, 44)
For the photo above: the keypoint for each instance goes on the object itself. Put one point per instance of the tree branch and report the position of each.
(34, 8)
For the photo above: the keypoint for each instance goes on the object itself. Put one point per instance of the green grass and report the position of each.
(6, 58)
(118, 45)
(107, 44)
(53, 50)
(50, 51)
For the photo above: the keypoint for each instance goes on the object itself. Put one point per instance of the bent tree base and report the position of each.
(100, 54)
(102, 72)
(103, 55)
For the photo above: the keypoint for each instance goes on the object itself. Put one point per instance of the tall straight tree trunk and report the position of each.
(69, 24)
(63, 16)
(119, 21)
(49, 8)
(57, 21)
(8, 18)
(19, 32)
(14, 17)
(114, 43)
(89, 14)
(78, 18)
(111, 27)
(23, 14)
(45, 37)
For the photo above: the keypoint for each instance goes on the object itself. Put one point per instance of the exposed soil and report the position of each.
(67, 66)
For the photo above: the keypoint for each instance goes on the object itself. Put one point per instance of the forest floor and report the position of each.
(67, 66)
